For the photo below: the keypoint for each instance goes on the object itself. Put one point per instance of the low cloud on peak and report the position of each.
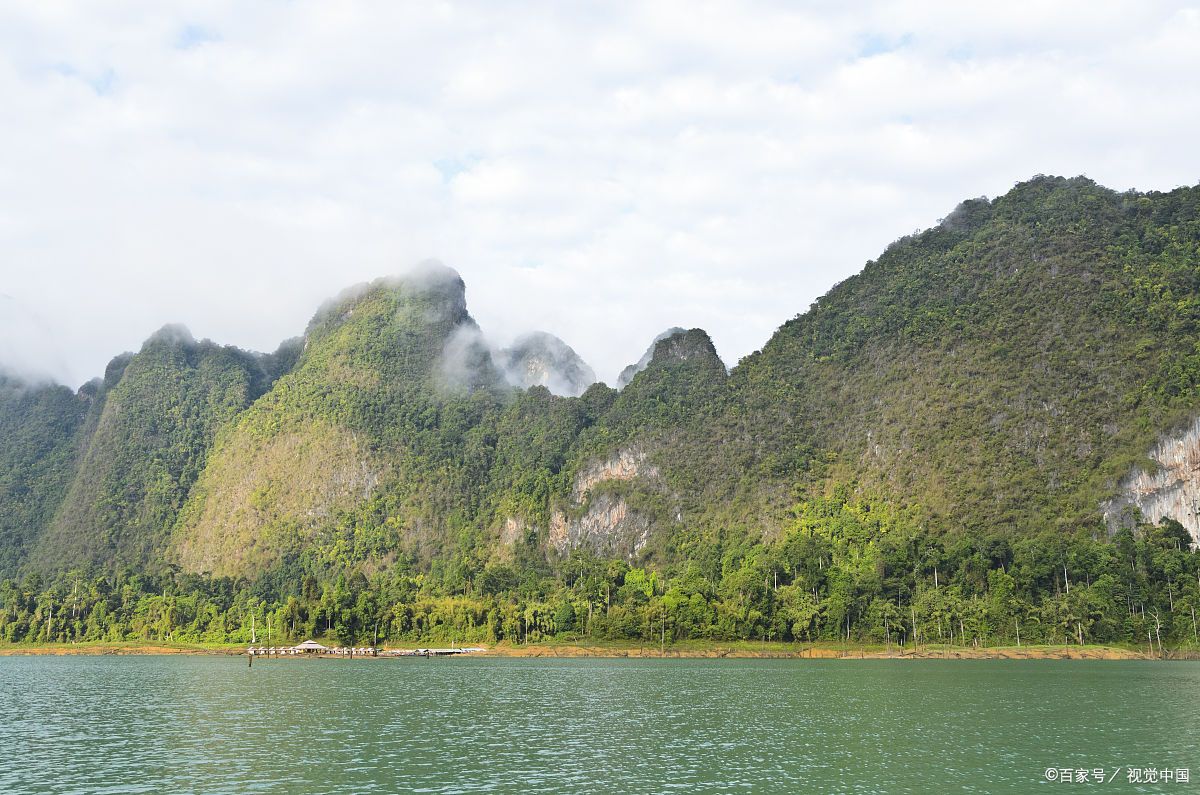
(602, 173)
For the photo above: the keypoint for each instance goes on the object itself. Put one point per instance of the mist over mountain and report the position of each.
(542, 359)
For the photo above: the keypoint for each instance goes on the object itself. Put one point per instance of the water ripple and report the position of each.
(211, 725)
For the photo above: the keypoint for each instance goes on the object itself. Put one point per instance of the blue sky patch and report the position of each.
(193, 36)
(878, 44)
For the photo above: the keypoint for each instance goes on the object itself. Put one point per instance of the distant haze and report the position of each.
(598, 172)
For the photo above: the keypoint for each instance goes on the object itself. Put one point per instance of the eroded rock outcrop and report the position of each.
(600, 520)
(1172, 491)
(625, 464)
(608, 527)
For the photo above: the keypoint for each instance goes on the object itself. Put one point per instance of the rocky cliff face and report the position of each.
(607, 527)
(541, 359)
(625, 464)
(1170, 492)
(600, 521)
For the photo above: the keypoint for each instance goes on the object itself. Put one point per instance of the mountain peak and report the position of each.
(439, 288)
(542, 359)
(173, 334)
(684, 346)
(629, 372)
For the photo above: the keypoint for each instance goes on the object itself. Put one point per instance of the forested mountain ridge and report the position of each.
(155, 416)
(1009, 366)
(959, 412)
(378, 423)
(40, 426)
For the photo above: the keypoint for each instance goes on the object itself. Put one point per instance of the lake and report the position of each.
(211, 725)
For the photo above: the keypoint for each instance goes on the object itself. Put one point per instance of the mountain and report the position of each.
(629, 372)
(1006, 368)
(156, 415)
(40, 425)
(989, 411)
(541, 359)
(372, 438)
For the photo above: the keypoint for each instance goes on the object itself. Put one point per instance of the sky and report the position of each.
(599, 171)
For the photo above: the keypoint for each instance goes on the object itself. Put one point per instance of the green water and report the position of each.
(209, 724)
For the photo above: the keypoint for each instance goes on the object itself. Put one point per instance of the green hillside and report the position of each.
(1007, 367)
(159, 413)
(922, 454)
(39, 428)
(374, 442)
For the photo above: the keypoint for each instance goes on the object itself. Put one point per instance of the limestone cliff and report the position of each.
(600, 520)
(1171, 491)
(607, 527)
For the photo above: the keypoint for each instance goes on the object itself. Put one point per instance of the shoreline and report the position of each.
(748, 650)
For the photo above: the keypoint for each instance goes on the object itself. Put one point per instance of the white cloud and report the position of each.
(600, 171)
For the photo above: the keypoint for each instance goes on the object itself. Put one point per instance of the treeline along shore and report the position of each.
(847, 576)
(765, 650)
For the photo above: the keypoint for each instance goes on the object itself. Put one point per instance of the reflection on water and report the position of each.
(211, 725)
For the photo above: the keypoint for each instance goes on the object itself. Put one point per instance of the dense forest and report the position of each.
(922, 456)
(844, 571)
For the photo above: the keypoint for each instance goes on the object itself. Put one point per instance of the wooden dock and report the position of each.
(313, 649)
(434, 652)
